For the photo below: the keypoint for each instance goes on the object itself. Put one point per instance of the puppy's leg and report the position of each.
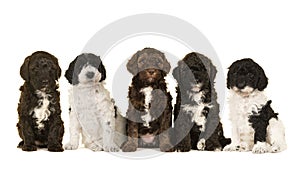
(27, 134)
(183, 125)
(56, 132)
(235, 136)
(108, 125)
(164, 137)
(276, 135)
(132, 142)
(75, 130)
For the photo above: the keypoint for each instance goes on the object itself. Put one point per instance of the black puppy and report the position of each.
(40, 123)
(197, 122)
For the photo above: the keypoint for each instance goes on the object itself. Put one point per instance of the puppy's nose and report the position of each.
(241, 85)
(90, 75)
(151, 71)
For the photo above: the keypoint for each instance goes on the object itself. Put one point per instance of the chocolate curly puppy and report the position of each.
(197, 122)
(150, 104)
(40, 123)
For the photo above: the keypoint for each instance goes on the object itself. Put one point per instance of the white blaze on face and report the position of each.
(83, 75)
(147, 117)
(196, 87)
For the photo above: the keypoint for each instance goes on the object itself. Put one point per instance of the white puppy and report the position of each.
(92, 111)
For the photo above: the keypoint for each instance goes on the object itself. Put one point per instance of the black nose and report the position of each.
(151, 71)
(241, 85)
(90, 75)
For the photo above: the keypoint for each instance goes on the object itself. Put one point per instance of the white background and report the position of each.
(267, 31)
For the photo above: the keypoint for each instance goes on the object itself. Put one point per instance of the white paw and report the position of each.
(231, 147)
(243, 147)
(70, 146)
(95, 147)
(112, 148)
(201, 144)
(260, 148)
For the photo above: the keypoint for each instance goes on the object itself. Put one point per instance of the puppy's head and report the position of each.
(86, 68)
(245, 76)
(149, 65)
(195, 72)
(41, 70)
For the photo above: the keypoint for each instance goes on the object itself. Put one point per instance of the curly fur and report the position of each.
(197, 123)
(150, 104)
(40, 123)
(255, 126)
(92, 112)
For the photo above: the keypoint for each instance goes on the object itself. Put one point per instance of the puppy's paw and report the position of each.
(260, 148)
(183, 148)
(166, 148)
(95, 147)
(70, 146)
(129, 147)
(111, 148)
(201, 144)
(232, 147)
(55, 148)
(29, 147)
(275, 148)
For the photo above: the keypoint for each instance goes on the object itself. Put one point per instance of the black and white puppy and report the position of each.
(40, 124)
(92, 111)
(255, 126)
(197, 122)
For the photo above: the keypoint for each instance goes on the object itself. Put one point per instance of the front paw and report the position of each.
(232, 147)
(129, 147)
(95, 147)
(201, 144)
(70, 146)
(55, 148)
(167, 148)
(183, 148)
(260, 148)
(111, 148)
(29, 147)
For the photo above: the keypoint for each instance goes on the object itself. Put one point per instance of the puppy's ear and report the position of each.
(102, 70)
(229, 76)
(262, 80)
(212, 72)
(176, 74)
(58, 70)
(166, 64)
(24, 70)
(132, 65)
(69, 73)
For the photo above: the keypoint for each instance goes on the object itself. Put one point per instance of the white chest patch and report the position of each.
(92, 106)
(147, 117)
(41, 112)
(242, 107)
(196, 110)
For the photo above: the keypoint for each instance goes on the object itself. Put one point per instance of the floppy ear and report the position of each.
(212, 72)
(262, 80)
(58, 69)
(229, 77)
(176, 74)
(132, 65)
(69, 73)
(166, 64)
(102, 70)
(24, 70)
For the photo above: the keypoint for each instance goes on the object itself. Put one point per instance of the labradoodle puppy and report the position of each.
(255, 126)
(150, 109)
(40, 123)
(92, 113)
(197, 122)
